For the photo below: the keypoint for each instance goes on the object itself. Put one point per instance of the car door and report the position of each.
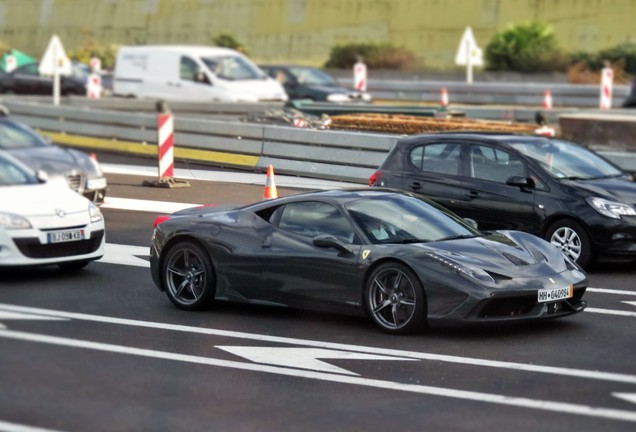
(434, 170)
(298, 273)
(488, 199)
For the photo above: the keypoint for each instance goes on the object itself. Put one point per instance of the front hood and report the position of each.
(57, 161)
(614, 189)
(42, 199)
(506, 253)
(256, 90)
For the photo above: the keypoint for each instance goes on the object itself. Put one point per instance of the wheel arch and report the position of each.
(385, 260)
(559, 217)
(180, 238)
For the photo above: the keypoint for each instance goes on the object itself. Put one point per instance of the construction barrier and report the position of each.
(270, 191)
(360, 76)
(607, 84)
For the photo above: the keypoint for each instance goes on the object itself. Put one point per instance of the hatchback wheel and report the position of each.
(572, 240)
(395, 300)
(188, 276)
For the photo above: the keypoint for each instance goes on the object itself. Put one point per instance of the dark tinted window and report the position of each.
(437, 158)
(310, 219)
(188, 69)
(489, 163)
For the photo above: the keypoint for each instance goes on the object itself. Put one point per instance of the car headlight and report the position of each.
(98, 183)
(14, 221)
(96, 213)
(465, 270)
(611, 208)
(338, 97)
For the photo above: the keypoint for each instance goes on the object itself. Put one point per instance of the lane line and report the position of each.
(537, 404)
(611, 291)
(125, 255)
(561, 371)
(145, 205)
(611, 312)
(16, 427)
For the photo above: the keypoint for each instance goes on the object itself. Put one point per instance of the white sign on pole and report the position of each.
(469, 54)
(55, 63)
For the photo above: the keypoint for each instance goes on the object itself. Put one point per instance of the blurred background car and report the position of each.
(558, 190)
(302, 82)
(82, 173)
(630, 102)
(26, 79)
(44, 222)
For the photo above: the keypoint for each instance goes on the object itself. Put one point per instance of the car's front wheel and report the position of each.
(395, 300)
(188, 276)
(572, 240)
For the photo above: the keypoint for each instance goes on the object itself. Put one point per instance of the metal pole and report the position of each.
(56, 78)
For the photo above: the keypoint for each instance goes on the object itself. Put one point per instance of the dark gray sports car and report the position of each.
(399, 258)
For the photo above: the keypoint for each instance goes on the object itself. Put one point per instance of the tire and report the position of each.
(72, 266)
(394, 299)
(188, 276)
(572, 240)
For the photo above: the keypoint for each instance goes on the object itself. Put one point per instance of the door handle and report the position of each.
(473, 194)
(415, 186)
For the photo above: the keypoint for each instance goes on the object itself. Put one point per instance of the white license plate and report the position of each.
(548, 295)
(65, 236)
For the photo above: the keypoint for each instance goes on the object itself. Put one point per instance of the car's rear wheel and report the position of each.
(188, 276)
(395, 300)
(572, 240)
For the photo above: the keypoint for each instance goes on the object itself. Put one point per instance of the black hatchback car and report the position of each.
(27, 80)
(556, 189)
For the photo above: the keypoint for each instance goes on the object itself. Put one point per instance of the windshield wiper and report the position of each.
(457, 237)
(409, 241)
(574, 178)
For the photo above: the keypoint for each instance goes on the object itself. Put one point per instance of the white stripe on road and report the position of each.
(544, 405)
(611, 312)
(145, 205)
(126, 255)
(579, 373)
(15, 427)
(611, 291)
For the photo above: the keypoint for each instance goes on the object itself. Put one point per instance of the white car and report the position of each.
(44, 221)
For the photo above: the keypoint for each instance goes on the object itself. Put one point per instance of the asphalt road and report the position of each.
(103, 350)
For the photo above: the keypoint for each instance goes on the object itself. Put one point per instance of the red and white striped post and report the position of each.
(165, 153)
(607, 82)
(360, 76)
(94, 86)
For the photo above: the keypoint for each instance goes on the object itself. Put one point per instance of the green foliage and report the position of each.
(376, 56)
(529, 47)
(623, 54)
(89, 48)
(227, 40)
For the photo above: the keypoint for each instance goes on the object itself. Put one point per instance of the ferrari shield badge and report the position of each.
(365, 253)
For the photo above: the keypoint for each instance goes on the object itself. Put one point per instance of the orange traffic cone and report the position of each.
(547, 99)
(443, 98)
(270, 185)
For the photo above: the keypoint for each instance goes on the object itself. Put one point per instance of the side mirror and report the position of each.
(471, 223)
(521, 182)
(42, 176)
(329, 241)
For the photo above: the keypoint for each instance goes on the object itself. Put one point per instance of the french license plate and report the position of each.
(65, 236)
(548, 295)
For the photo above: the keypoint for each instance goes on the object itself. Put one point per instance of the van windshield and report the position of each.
(233, 68)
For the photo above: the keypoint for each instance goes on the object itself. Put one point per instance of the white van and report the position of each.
(192, 73)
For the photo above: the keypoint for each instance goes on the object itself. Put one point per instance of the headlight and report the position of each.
(465, 270)
(610, 208)
(338, 97)
(14, 221)
(96, 214)
(98, 183)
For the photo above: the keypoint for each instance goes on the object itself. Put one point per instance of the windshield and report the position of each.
(406, 219)
(233, 68)
(564, 159)
(14, 136)
(12, 175)
(312, 76)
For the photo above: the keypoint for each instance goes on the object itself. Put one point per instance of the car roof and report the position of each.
(343, 195)
(499, 137)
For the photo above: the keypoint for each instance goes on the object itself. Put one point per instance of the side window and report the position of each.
(437, 158)
(188, 69)
(30, 69)
(310, 219)
(489, 163)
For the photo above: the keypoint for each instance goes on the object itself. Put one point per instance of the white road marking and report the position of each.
(631, 303)
(303, 358)
(611, 291)
(145, 205)
(9, 315)
(228, 177)
(125, 255)
(15, 427)
(562, 371)
(611, 312)
(629, 397)
(544, 405)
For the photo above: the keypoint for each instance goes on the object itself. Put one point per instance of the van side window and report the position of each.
(188, 69)
(488, 163)
(437, 158)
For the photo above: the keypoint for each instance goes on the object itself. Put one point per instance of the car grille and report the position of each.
(75, 181)
(520, 306)
(32, 248)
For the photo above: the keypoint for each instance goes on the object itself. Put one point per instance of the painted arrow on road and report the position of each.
(303, 358)
(8, 315)
(126, 255)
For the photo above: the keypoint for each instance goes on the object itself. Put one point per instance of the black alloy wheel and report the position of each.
(188, 276)
(395, 300)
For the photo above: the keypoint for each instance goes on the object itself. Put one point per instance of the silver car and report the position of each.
(82, 173)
